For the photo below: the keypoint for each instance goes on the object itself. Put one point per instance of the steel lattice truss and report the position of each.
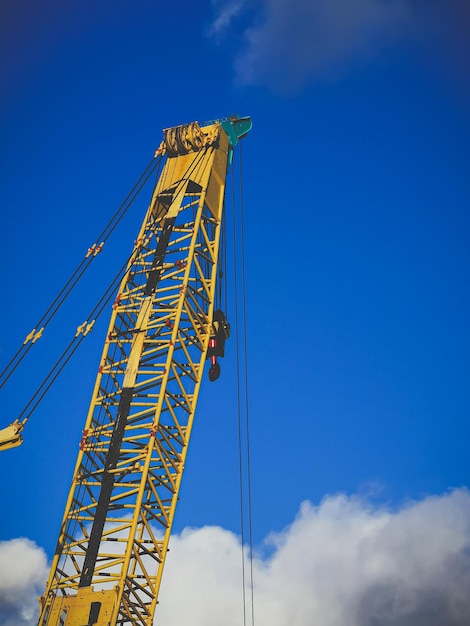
(121, 505)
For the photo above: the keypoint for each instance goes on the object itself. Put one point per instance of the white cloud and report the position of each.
(297, 40)
(23, 572)
(342, 562)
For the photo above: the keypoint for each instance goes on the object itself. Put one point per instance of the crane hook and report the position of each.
(220, 332)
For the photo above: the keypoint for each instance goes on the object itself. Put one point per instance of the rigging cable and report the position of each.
(240, 439)
(242, 444)
(245, 355)
(71, 283)
(95, 313)
(71, 348)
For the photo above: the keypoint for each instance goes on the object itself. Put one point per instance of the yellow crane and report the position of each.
(113, 541)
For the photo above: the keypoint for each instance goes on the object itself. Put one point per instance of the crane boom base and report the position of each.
(86, 607)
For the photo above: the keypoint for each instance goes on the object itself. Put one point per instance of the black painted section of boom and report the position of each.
(158, 259)
(112, 456)
(107, 485)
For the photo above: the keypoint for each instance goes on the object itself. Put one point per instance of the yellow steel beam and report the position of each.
(120, 509)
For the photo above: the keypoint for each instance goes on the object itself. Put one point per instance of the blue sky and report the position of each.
(356, 196)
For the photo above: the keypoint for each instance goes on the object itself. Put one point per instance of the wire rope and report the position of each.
(79, 271)
(245, 355)
(244, 447)
(69, 350)
(239, 417)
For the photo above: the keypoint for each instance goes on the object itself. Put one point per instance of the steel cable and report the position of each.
(79, 271)
(245, 355)
(239, 419)
(70, 349)
(244, 452)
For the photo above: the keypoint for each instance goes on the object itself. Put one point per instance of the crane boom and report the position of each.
(114, 536)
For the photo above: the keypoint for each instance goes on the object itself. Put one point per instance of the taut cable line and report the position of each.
(244, 452)
(245, 367)
(38, 330)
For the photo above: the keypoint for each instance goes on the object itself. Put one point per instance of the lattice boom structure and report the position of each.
(115, 532)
